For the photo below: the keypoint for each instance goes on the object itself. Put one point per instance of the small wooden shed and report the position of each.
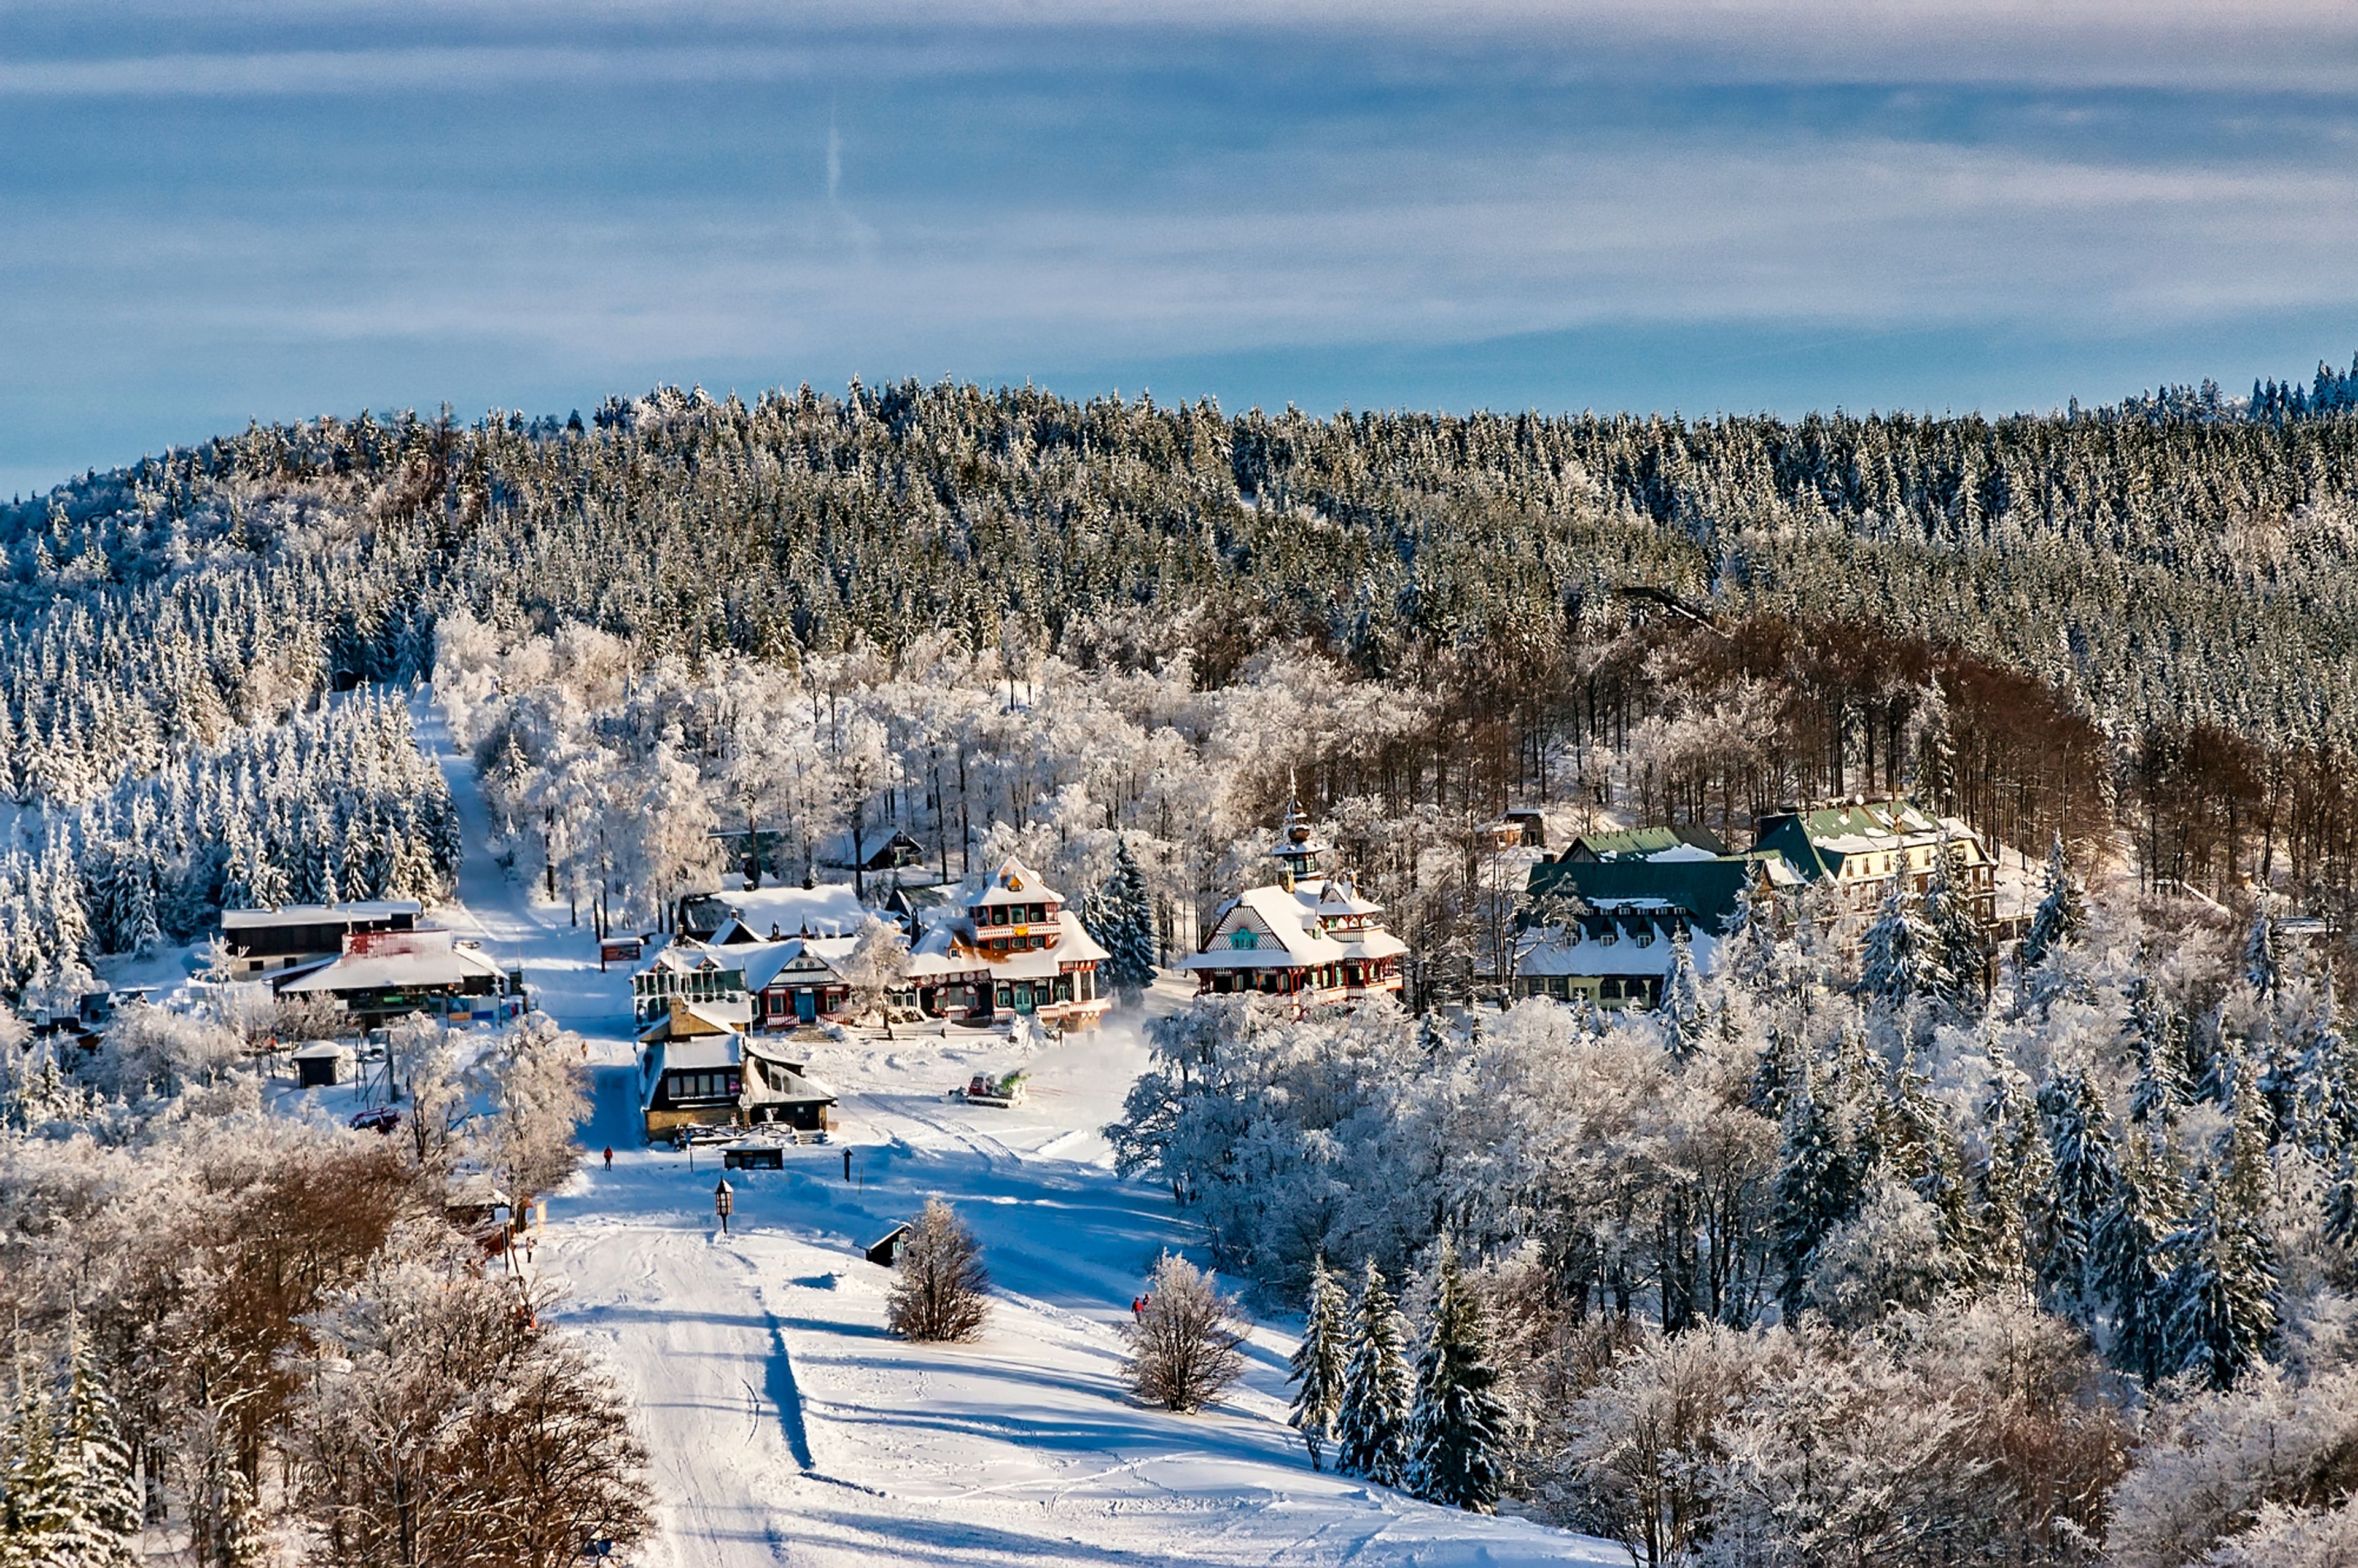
(754, 1156)
(322, 1063)
(886, 1248)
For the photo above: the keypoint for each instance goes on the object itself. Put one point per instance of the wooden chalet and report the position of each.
(1012, 946)
(697, 1071)
(1309, 935)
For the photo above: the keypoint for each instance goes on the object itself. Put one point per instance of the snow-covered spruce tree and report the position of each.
(2324, 1101)
(2083, 1175)
(1130, 939)
(1684, 1018)
(98, 1524)
(1962, 962)
(2262, 948)
(2130, 1256)
(1318, 1362)
(2010, 1185)
(2061, 915)
(38, 1512)
(1183, 1347)
(1458, 1425)
(2156, 1039)
(1371, 1421)
(1818, 1186)
(940, 1290)
(2221, 1292)
(1900, 960)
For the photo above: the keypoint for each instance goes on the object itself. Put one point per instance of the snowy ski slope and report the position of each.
(786, 1426)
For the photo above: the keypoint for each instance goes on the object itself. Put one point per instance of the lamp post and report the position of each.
(724, 1198)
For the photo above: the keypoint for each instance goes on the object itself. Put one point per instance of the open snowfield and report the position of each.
(786, 1426)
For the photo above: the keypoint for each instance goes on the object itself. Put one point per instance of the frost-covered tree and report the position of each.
(1900, 960)
(1129, 927)
(2221, 1291)
(1372, 1420)
(1962, 958)
(1818, 1186)
(540, 1098)
(2262, 948)
(2083, 1175)
(940, 1290)
(1459, 1428)
(1182, 1348)
(1682, 1012)
(1318, 1364)
(2130, 1257)
(2062, 912)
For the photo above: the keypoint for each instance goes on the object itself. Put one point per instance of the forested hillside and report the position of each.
(2139, 616)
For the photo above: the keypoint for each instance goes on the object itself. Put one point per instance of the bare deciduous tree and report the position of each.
(943, 1291)
(1184, 1345)
(438, 1423)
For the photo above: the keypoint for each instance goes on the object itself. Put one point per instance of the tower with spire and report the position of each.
(1309, 936)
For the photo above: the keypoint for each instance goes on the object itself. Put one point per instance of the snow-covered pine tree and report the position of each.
(1458, 1426)
(2263, 948)
(1684, 1018)
(1371, 1418)
(1963, 956)
(2156, 1039)
(1818, 1187)
(97, 1523)
(2015, 1182)
(37, 1513)
(2341, 1201)
(1131, 968)
(2129, 1258)
(2221, 1292)
(2079, 1189)
(1319, 1361)
(2325, 1099)
(2062, 912)
(1900, 961)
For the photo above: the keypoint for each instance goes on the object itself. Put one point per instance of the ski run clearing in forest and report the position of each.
(785, 1425)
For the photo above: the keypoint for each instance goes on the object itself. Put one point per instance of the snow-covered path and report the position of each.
(787, 1426)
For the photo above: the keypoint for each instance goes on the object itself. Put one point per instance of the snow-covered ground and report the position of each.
(787, 1426)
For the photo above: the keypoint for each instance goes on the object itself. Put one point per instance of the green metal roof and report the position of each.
(1709, 890)
(1631, 843)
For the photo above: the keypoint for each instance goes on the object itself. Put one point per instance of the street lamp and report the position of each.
(724, 1198)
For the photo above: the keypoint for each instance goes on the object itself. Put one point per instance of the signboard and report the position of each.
(621, 950)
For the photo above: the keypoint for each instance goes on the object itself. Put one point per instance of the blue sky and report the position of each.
(268, 211)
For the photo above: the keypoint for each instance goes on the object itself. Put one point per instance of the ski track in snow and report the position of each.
(786, 1426)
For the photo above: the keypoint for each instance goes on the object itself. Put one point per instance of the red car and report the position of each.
(378, 1119)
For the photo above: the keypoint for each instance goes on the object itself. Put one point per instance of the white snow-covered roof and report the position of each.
(734, 1013)
(1336, 896)
(685, 956)
(702, 1054)
(1016, 882)
(1574, 952)
(831, 909)
(762, 962)
(318, 913)
(940, 954)
(1270, 912)
(383, 959)
(322, 1051)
